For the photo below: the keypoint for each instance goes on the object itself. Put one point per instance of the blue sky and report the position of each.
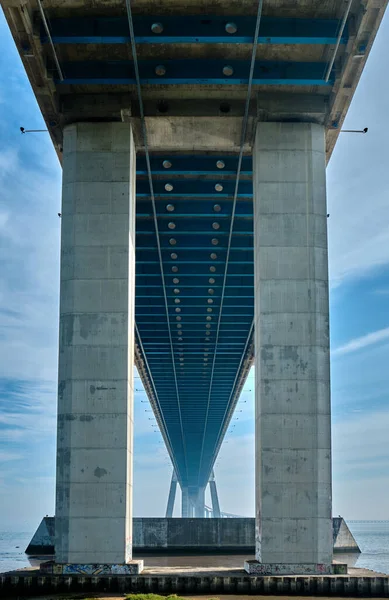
(358, 203)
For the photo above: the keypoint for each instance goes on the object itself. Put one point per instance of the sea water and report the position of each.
(371, 536)
(373, 539)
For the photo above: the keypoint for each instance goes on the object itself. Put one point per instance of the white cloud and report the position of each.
(29, 249)
(359, 439)
(358, 230)
(25, 502)
(3, 219)
(8, 162)
(6, 456)
(234, 473)
(29, 245)
(362, 342)
(360, 466)
(358, 177)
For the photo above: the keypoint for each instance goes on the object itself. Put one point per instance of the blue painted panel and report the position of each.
(193, 30)
(193, 72)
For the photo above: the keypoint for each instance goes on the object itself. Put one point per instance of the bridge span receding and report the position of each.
(194, 138)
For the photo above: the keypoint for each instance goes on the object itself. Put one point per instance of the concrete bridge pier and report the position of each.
(193, 502)
(193, 359)
(186, 506)
(293, 437)
(172, 496)
(214, 497)
(197, 498)
(96, 351)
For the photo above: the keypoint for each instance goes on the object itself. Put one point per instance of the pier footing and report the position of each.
(133, 567)
(254, 567)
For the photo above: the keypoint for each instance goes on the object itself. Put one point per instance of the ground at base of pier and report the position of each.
(194, 570)
(181, 597)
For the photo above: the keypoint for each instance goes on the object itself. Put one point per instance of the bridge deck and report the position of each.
(194, 324)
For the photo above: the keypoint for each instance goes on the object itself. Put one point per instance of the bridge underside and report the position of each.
(194, 92)
(197, 356)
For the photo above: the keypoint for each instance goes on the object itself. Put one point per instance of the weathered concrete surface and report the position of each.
(200, 134)
(96, 347)
(254, 567)
(43, 540)
(293, 437)
(169, 536)
(172, 496)
(190, 580)
(343, 539)
(197, 498)
(214, 497)
(57, 101)
(186, 509)
(131, 567)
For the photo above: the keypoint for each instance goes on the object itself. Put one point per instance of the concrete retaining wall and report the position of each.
(202, 535)
(179, 536)
(332, 585)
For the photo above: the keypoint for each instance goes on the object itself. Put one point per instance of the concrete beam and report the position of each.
(180, 134)
(311, 108)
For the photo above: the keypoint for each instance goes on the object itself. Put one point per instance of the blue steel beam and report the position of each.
(201, 266)
(147, 215)
(192, 275)
(193, 72)
(195, 165)
(193, 30)
(178, 188)
(208, 207)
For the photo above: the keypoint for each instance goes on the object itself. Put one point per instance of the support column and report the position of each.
(293, 442)
(172, 496)
(214, 497)
(96, 342)
(200, 504)
(193, 502)
(197, 499)
(185, 504)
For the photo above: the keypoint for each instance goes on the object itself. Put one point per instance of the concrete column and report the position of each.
(172, 496)
(214, 497)
(200, 504)
(197, 500)
(293, 442)
(185, 504)
(95, 397)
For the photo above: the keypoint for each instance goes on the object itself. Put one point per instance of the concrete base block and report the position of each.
(133, 567)
(253, 567)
